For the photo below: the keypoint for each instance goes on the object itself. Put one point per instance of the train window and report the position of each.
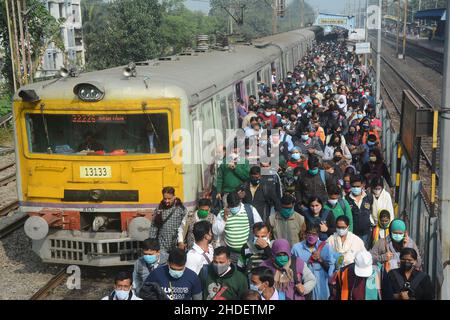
(108, 134)
(231, 111)
(224, 112)
(258, 76)
(249, 88)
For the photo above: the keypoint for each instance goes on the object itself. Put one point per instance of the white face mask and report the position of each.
(342, 232)
(333, 202)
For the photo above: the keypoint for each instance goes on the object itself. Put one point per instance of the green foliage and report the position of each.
(121, 31)
(43, 28)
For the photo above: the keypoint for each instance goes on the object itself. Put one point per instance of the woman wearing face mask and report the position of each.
(320, 259)
(296, 159)
(376, 168)
(335, 143)
(293, 279)
(315, 213)
(382, 200)
(381, 230)
(408, 283)
(387, 251)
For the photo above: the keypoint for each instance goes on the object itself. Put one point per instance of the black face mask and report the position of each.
(254, 181)
(406, 266)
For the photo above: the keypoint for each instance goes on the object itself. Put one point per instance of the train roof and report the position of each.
(196, 76)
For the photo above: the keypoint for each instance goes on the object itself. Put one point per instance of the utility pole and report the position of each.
(302, 13)
(274, 17)
(378, 71)
(398, 27)
(11, 47)
(16, 45)
(404, 28)
(444, 185)
(22, 42)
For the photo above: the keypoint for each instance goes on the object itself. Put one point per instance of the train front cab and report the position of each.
(84, 206)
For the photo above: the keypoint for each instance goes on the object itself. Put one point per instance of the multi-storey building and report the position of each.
(71, 33)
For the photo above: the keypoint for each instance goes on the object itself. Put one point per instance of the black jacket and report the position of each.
(265, 197)
(309, 185)
(361, 216)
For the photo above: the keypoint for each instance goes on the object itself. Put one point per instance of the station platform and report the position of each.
(432, 45)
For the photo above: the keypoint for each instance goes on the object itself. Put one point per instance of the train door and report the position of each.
(209, 141)
(240, 93)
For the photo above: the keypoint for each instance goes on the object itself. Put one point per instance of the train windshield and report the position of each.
(108, 134)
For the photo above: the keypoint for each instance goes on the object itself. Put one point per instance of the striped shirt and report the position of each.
(236, 229)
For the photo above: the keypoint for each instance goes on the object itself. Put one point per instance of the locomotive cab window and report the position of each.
(109, 134)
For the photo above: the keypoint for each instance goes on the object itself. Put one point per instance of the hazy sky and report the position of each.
(329, 6)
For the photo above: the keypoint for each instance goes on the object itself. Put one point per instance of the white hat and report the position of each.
(363, 264)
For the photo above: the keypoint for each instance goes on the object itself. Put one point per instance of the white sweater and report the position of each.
(384, 202)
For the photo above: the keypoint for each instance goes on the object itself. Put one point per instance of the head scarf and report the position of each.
(398, 225)
(282, 275)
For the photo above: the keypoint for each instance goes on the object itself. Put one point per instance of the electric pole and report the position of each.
(274, 17)
(302, 13)
(444, 168)
(404, 28)
(398, 26)
(11, 46)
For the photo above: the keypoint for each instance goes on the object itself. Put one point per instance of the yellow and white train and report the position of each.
(93, 151)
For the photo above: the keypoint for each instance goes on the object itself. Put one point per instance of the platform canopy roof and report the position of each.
(432, 14)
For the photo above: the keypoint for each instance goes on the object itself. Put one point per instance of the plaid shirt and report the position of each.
(169, 231)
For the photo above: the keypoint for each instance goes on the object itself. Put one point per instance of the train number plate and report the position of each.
(95, 172)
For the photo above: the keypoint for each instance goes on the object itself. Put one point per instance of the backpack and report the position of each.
(251, 221)
(342, 204)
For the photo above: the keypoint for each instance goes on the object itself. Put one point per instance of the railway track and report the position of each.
(396, 101)
(53, 283)
(428, 58)
(9, 224)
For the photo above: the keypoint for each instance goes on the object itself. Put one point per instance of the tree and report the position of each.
(43, 29)
(128, 31)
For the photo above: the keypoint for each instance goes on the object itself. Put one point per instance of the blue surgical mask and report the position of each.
(254, 287)
(296, 156)
(150, 259)
(356, 191)
(398, 237)
(175, 273)
(122, 294)
(235, 210)
(370, 143)
(305, 137)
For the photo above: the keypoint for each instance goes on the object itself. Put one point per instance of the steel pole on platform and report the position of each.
(444, 174)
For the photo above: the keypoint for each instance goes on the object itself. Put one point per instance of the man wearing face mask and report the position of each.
(320, 259)
(262, 281)
(261, 194)
(361, 204)
(287, 223)
(152, 258)
(201, 253)
(223, 281)
(167, 220)
(185, 231)
(312, 182)
(122, 288)
(387, 251)
(269, 116)
(177, 281)
(254, 252)
(306, 144)
(235, 223)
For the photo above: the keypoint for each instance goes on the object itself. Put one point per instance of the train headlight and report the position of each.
(89, 92)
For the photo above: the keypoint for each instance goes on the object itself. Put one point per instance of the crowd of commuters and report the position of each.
(318, 225)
